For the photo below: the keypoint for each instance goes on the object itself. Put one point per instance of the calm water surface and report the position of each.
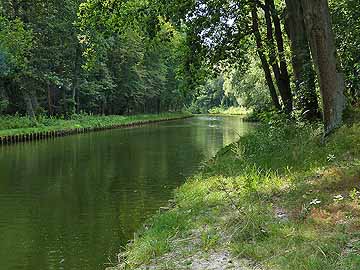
(71, 203)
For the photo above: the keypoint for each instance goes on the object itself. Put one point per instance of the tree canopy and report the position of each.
(134, 56)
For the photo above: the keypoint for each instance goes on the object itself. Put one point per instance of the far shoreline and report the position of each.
(86, 125)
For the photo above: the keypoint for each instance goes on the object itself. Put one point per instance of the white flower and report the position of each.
(331, 157)
(315, 202)
(338, 198)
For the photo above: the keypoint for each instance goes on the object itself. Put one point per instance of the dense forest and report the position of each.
(137, 56)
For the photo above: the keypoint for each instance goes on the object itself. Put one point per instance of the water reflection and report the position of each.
(70, 203)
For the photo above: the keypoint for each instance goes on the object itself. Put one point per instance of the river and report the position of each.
(71, 203)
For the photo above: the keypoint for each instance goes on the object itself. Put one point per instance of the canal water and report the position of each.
(72, 203)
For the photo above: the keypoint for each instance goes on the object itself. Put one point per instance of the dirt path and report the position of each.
(215, 260)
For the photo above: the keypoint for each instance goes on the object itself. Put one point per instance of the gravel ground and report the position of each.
(216, 260)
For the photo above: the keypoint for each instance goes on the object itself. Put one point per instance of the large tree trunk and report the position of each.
(264, 62)
(301, 60)
(322, 44)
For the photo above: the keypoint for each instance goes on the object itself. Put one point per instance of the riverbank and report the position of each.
(277, 199)
(14, 129)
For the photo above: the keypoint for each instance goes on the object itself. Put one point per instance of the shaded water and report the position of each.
(71, 203)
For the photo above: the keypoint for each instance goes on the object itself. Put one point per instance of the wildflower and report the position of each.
(330, 158)
(338, 198)
(315, 202)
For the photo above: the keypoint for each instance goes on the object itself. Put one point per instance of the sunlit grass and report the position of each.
(282, 167)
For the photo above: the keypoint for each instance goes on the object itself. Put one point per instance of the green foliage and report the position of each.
(143, 53)
(283, 146)
(212, 95)
(230, 111)
(15, 47)
(156, 241)
(137, 56)
(249, 86)
(346, 18)
(209, 239)
(243, 87)
(97, 57)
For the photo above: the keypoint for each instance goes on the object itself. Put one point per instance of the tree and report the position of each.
(280, 69)
(322, 43)
(301, 60)
(148, 56)
(264, 61)
(16, 43)
(97, 57)
(223, 30)
(345, 16)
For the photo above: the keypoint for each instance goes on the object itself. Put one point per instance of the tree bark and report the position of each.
(285, 89)
(50, 101)
(281, 82)
(264, 62)
(4, 101)
(301, 60)
(322, 43)
(64, 100)
(75, 80)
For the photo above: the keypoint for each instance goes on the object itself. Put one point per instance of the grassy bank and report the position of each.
(278, 198)
(15, 125)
